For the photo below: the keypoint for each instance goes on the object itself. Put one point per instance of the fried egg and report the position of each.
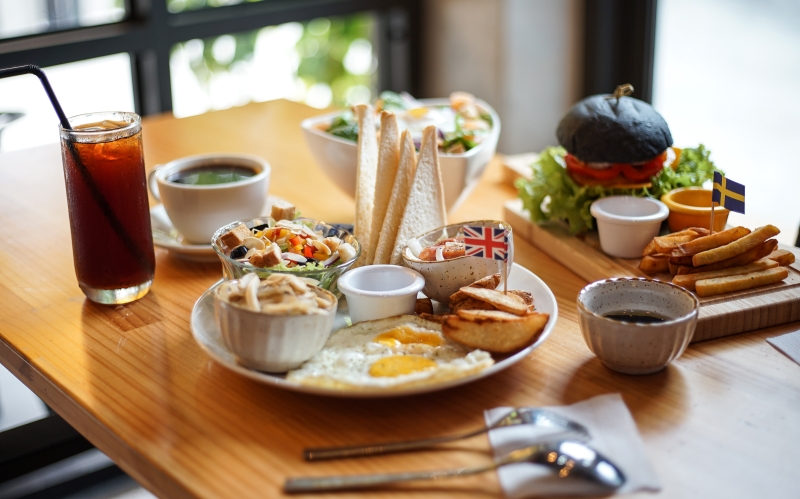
(398, 352)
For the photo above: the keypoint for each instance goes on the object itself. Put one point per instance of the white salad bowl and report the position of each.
(627, 223)
(460, 172)
(443, 278)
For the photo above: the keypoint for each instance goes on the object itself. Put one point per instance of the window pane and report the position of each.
(29, 17)
(727, 75)
(101, 84)
(320, 62)
(176, 6)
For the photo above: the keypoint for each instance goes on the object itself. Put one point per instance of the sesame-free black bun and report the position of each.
(604, 129)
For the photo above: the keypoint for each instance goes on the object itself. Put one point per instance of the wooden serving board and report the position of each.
(721, 315)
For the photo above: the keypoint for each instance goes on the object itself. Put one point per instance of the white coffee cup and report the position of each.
(197, 211)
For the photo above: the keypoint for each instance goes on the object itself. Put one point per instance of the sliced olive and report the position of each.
(260, 227)
(238, 252)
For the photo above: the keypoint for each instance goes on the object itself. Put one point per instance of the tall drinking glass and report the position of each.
(112, 244)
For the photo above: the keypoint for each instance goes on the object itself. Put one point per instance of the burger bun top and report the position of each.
(607, 129)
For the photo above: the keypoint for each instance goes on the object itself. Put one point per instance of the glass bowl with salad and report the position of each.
(468, 132)
(310, 249)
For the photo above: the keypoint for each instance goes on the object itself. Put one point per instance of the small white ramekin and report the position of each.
(379, 291)
(627, 223)
(636, 348)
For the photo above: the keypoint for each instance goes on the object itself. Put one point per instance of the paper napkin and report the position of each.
(612, 431)
(788, 345)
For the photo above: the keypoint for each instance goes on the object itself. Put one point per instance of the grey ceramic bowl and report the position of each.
(630, 347)
(444, 278)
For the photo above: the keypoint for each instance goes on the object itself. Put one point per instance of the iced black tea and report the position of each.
(112, 243)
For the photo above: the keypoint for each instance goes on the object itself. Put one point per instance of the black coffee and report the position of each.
(212, 174)
(636, 316)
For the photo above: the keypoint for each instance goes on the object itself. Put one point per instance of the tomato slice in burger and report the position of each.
(645, 171)
(574, 165)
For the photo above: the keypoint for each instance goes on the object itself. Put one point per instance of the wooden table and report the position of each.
(721, 421)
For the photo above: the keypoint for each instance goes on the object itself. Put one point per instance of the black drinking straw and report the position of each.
(98, 197)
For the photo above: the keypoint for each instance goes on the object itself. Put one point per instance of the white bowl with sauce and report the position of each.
(627, 223)
(628, 345)
(380, 291)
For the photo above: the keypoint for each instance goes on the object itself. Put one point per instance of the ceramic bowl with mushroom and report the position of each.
(274, 324)
(439, 256)
(302, 247)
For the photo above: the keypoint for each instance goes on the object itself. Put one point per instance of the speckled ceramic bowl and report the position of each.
(630, 347)
(444, 278)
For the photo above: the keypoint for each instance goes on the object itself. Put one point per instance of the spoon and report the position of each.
(519, 416)
(568, 458)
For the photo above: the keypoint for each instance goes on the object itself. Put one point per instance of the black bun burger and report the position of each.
(614, 141)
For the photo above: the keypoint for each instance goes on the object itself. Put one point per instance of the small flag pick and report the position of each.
(488, 242)
(726, 193)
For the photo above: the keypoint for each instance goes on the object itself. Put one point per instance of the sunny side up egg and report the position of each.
(399, 352)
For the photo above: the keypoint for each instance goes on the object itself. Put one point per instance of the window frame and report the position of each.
(149, 31)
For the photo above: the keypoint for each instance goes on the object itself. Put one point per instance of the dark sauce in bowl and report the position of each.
(636, 316)
(212, 174)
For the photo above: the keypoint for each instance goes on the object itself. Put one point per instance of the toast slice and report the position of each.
(398, 200)
(388, 161)
(366, 172)
(425, 209)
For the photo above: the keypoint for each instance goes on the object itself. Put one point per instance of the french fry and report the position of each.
(653, 264)
(737, 247)
(680, 260)
(712, 241)
(720, 285)
(650, 249)
(748, 256)
(688, 280)
(783, 257)
(673, 268)
(665, 244)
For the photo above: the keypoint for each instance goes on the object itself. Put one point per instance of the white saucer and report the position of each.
(166, 236)
(208, 336)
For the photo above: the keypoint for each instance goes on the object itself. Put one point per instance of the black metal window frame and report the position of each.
(149, 32)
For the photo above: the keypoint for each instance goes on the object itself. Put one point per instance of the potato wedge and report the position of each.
(712, 241)
(488, 282)
(470, 304)
(527, 298)
(718, 286)
(439, 319)
(493, 335)
(483, 315)
(748, 256)
(653, 264)
(507, 303)
(783, 257)
(737, 247)
(688, 280)
(423, 306)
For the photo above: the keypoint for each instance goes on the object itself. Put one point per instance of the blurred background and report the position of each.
(724, 73)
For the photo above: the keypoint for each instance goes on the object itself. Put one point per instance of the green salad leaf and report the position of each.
(552, 195)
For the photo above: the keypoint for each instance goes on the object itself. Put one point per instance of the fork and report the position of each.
(518, 416)
(567, 458)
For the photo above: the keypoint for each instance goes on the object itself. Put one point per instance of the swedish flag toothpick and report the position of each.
(727, 193)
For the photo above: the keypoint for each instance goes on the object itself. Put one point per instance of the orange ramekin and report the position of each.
(691, 207)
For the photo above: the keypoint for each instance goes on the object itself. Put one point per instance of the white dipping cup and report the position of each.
(380, 291)
(627, 223)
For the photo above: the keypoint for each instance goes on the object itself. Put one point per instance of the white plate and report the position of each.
(206, 333)
(166, 236)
